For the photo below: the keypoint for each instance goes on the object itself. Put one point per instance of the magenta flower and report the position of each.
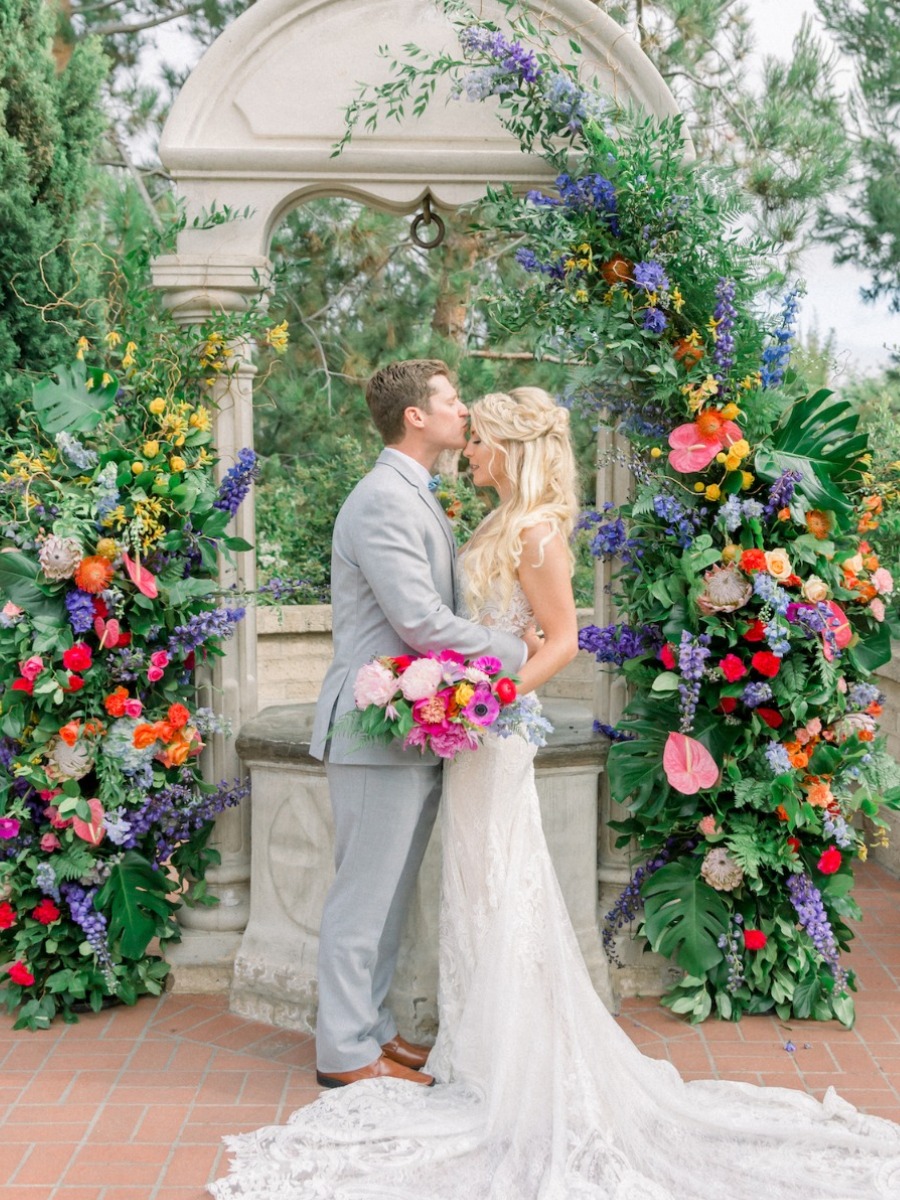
(9, 827)
(489, 665)
(483, 708)
(447, 743)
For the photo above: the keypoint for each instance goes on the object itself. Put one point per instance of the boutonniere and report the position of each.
(445, 494)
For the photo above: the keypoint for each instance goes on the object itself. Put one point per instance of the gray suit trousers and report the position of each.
(383, 817)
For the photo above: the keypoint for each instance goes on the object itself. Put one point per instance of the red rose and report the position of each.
(178, 716)
(756, 632)
(792, 581)
(77, 657)
(23, 685)
(732, 668)
(7, 915)
(20, 974)
(771, 716)
(753, 560)
(100, 609)
(125, 640)
(754, 939)
(505, 690)
(667, 656)
(728, 704)
(794, 844)
(830, 861)
(402, 661)
(46, 912)
(766, 663)
(76, 683)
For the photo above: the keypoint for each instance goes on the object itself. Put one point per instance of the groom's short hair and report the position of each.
(397, 387)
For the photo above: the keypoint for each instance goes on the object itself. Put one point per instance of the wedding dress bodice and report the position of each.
(540, 1094)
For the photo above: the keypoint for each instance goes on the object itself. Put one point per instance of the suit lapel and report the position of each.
(427, 497)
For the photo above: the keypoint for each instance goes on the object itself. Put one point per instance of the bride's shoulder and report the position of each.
(538, 533)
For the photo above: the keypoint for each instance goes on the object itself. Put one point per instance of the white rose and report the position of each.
(421, 679)
(778, 564)
(815, 589)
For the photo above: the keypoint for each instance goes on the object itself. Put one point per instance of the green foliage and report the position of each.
(136, 898)
(75, 399)
(684, 917)
(50, 124)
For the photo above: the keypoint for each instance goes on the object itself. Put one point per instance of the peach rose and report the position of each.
(778, 564)
(815, 589)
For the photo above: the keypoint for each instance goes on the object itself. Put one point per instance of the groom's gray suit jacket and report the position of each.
(393, 584)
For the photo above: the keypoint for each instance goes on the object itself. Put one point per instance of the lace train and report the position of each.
(541, 1095)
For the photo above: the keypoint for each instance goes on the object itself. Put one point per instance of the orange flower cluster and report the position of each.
(178, 738)
(873, 506)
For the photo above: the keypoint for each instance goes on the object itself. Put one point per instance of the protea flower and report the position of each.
(726, 589)
(59, 557)
(721, 871)
(67, 762)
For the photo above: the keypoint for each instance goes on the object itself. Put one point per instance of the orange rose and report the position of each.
(178, 716)
(866, 735)
(820, 795)
(176, 752)
(69, 733)
(799, 760)
(781, 813)
(144, 736)
(164, 731)
(114, 703)
(94, 574)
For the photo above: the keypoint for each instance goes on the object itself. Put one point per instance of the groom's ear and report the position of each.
(414, 417)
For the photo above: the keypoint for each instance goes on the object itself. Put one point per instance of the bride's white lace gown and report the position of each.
(540, 1094)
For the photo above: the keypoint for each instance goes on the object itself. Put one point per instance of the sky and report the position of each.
(864, 333)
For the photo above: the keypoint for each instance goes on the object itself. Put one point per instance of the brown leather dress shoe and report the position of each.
(405, 1053)
(381, 1068)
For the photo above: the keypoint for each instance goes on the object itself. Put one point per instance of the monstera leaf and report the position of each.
(684, 918)
(134, 897)
(19, 577)
(817, 437)
(75, 400)
(634, 768)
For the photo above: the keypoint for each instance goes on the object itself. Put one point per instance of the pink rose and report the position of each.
(802, 736)
(159, 658)
(876, 608)
(12, 610)
(883, 581)
(374, 684)
(31, 667)
(133, 708)
(421, 679)
(49, 841)
(154, 674)
(814, 726)
(707, 826)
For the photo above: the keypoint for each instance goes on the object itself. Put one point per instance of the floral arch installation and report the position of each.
(253, 130)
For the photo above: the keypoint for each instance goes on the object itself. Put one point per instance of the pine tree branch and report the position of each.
(523, 356)
(114, 28)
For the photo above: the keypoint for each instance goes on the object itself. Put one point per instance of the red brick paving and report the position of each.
(132, 1104)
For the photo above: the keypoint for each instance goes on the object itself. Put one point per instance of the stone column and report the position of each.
(195, 290)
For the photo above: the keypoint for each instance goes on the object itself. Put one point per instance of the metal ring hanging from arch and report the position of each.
(424, 218)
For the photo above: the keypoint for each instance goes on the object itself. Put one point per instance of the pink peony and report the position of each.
(814, 726)
(883, 581)
(447, 743)
(374, 684)
(421, 679)
(31, 667)
(12, 610)
(431, 712)
(707, 826)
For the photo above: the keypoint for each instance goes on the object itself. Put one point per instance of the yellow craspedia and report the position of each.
(731, 411)
(177, 463)
(730, 552)
(732, 461)
(713, 491)
(747, 480)
(699, 487)
(656, 452)
(721, 456)
(107, 548)
(150, 449)
(178, 441)
(136, 468)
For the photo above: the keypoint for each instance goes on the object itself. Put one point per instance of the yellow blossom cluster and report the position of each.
(699, 393)
(277, 337)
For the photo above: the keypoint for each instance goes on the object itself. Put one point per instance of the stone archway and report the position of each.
(253, 130)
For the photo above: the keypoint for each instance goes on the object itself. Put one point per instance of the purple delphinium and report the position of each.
(211, 623)
(654, 320)
(619, 643)
(724, 315)
(614, 735)
(778, 758)
(755, 694)
(651, 276)
(237, 481)
(511, 56)
(80, 607)
(692, 655)
(776, 357)
(781, 493)
(92, 923)
(611, 538)
(810, 908)
(768, 590)
(861, 695)
(680, 522)
(629, 904)
(177, 811)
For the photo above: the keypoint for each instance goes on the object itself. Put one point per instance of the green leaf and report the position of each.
(18, 583)
(67, 403)
(635, 767)
(684, 918)
(187, 589)
(134, 899)
(872, 651)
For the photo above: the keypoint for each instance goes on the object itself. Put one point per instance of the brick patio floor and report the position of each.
(131, 1104)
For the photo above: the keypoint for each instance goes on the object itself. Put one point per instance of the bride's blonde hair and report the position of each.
(531, 434)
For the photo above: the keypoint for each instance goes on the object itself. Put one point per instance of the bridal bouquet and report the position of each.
(442, 703)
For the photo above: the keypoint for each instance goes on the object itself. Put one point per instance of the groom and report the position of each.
(393, 582)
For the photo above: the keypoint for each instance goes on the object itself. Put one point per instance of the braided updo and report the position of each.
(531, 434)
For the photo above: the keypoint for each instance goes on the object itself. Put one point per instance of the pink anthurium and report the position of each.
(688, 764)
(840, 627)
(692, 451)
(107, 632)
(91, 831)
(143, 580)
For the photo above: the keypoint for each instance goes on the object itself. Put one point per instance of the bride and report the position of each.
(540, 1095)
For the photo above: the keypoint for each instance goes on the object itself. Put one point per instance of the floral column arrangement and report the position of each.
(755, 606)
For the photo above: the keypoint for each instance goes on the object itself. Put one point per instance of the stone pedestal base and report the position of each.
(202, 962)
(291, 869)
